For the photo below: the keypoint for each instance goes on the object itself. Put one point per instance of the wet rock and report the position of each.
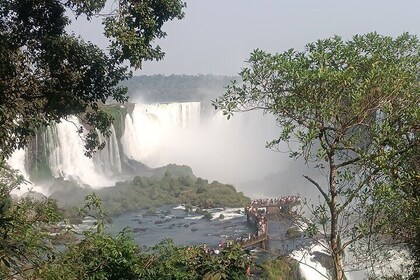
(136, 230)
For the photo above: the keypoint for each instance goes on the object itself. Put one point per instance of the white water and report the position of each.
(229, 151)
(67, 158)
(109, 158)
(228, 213)
(199, 217)
(149, 127)
(179, 207)
(313, 270)
(309, 268)
(17, 161)
(158, 134)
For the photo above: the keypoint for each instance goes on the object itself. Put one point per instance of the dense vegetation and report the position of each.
(147, 192)
(160, 88)
(47, 74)
(118, 258)
(28, 248)
(281, 268)
(353, 108)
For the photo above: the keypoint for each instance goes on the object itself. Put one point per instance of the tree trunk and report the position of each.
(336, 250)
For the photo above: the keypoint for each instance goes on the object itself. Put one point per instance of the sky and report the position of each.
(217, 36)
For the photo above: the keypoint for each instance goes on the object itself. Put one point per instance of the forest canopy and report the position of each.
(47, 74)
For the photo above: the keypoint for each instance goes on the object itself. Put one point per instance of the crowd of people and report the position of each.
(261, 220)
(262, 225)
(276, 201)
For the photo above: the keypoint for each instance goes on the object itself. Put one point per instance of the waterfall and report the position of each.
(308, 267)
(109, 158)
(17, 161)
(58, 150)
(148, 126)
(217, 149)
(67, 159)
(158, 134)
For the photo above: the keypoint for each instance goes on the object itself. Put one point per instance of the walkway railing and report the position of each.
(252, 211)
(254, 240)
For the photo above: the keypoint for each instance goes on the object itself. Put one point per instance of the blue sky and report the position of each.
(217, 36)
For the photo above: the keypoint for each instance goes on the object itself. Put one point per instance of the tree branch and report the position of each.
(345, 163)
(356, 191)
(327, 199)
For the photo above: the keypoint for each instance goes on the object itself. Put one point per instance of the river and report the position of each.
(184, 229)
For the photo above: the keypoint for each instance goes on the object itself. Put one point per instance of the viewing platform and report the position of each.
(259, 218)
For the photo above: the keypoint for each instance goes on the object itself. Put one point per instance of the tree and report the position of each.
(47, 74)
(398, 200)
(353, 107)
(98, 255)
(24, 240)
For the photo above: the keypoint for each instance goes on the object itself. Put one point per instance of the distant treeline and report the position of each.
(161, 88)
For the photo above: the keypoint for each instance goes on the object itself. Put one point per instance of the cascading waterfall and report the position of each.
(158, 134)
(150, 125)
(59, 150)
(17, 161)
(182, 133)
(109, 158)
(52, 145)
(66, 155)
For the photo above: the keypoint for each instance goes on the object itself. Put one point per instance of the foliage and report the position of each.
(160, 88)
(293, 232)
(165, 261)
(24, 227)
(398, 200)
(100, 256)
(118, 114)
(281, 269)
(104, 257)
(146, 192)
(352, 107)
(47, 74)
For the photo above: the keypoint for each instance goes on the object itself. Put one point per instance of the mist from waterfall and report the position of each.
(150, 126)
(229, 151)
(185, 133)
